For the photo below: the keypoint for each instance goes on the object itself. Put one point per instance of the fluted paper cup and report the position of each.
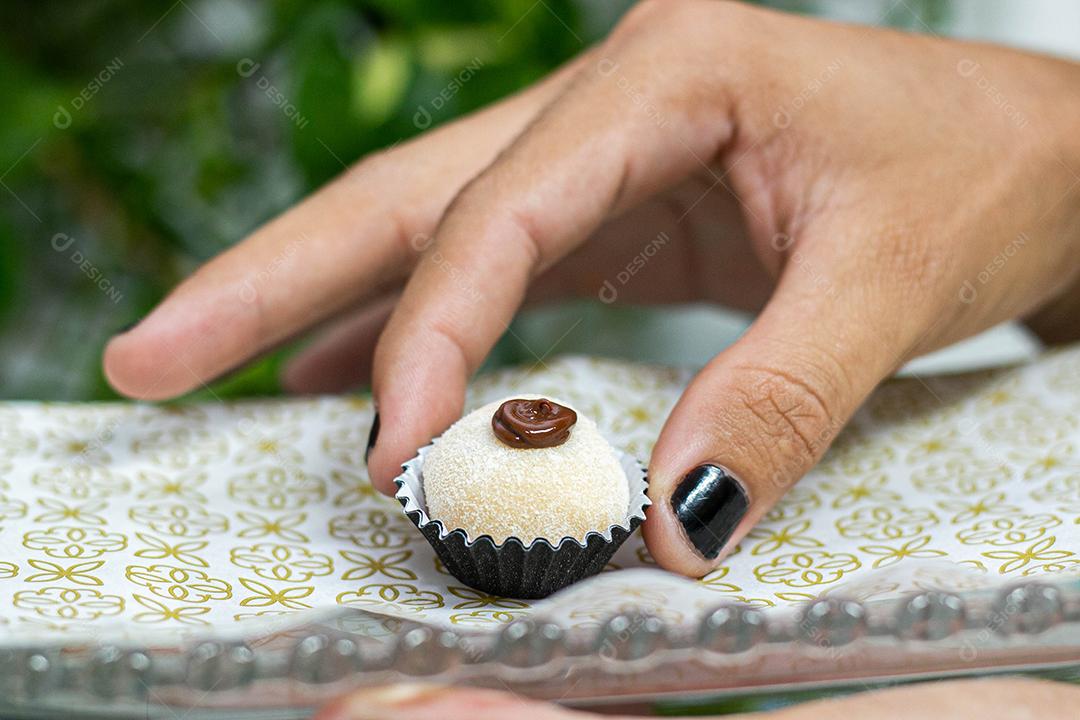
(514, 568)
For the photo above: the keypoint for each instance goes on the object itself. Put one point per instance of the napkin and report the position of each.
(122, 520)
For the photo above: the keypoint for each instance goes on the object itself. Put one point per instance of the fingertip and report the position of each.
(419, 389)
(671, 548)
(195, 335)
(403, 427)
(409, 701)
(382, 471)
(700, 510)
(388, 448)
(384, 701)
(140, 370)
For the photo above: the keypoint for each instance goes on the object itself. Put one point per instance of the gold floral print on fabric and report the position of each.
(181, 518)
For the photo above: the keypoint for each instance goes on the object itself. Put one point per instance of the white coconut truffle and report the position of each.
(473, 481)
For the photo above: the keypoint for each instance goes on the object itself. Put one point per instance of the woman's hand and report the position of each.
(953, 700)
(875, 194)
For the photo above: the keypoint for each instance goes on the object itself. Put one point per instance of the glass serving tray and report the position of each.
(232, 558)
(731, 649)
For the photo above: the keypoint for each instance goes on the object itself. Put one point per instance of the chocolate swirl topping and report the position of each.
(532, 423)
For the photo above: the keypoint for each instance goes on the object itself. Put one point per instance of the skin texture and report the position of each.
(1012, 698)
(855, 185)
(849, 183)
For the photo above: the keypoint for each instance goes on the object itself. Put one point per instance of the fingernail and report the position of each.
(709, 502)
(131, 325)
(380, 703)
(372, 437)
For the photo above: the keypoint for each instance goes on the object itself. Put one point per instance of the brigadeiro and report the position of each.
(523, 497)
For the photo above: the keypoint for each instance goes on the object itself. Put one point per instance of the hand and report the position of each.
(952, 700)
(876, 195)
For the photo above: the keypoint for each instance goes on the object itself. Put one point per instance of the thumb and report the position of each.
(765, 410)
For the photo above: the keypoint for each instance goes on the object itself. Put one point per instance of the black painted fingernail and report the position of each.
(372, 437)
(709, 502)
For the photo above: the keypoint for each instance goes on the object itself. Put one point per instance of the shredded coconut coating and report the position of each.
(475, 482)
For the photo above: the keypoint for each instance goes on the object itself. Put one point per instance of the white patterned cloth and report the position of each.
(116, 519)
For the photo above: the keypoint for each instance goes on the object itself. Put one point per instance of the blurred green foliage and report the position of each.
(138, 141)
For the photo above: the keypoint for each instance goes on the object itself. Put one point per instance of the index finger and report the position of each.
(351, 241)
(591, 153)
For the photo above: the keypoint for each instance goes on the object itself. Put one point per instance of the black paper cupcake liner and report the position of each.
(514, 568)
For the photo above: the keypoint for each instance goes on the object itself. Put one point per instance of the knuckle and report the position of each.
(531, 234)
(788, 417)
(373, 167)
(642, 15)
(650, 15)
(511, 216)
(409, 223)
(408, 237)
(656, 33)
